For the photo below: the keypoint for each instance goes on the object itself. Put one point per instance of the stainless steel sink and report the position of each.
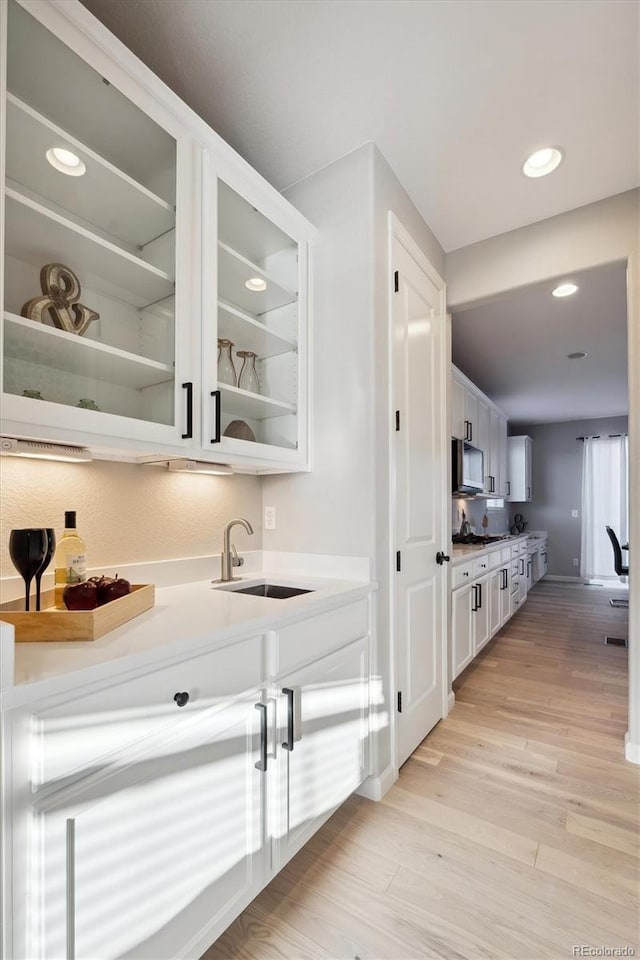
(273, 590)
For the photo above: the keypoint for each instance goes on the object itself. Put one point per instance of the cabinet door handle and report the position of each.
(189, 433)
(288, 743)
(216, 396)
(508, 488)
(474, 604)
(529, 493)
(261, 764)
(470, 430)
(522, 567)
(479, 596)
(466, 429)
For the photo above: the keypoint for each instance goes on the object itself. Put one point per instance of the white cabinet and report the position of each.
(520, 468)
(322, 743)
(475, 418)
(146, 812)
(480, 611)
(496, 589)
(175, 244)
(462, 651)
(151, 856)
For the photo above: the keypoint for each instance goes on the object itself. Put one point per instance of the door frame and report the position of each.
(396, 231)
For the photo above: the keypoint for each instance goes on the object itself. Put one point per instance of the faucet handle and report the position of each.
(236, 561)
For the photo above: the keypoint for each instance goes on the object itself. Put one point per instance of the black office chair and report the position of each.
(618, 566)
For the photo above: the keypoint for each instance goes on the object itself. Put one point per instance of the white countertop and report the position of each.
(186, 618)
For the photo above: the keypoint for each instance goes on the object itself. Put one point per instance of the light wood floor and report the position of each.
(512, 831)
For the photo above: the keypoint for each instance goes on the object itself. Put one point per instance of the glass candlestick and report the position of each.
(248, 379)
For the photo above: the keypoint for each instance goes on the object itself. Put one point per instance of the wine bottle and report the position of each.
(71, 558)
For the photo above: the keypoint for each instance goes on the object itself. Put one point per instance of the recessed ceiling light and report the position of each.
(256, 284)
(565, 290)
(66, 162)
(578, 355)
(542, 162)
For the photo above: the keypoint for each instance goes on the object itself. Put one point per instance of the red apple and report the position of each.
(81, 596)
(113, 590)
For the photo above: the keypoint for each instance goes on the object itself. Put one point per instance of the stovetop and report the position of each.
(472, 538)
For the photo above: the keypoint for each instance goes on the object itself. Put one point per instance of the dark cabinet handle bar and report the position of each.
(216, 396)
(189, 388)
(474, 603)
(261, 764)
(288, 743)
(479, 596)
(182, 699)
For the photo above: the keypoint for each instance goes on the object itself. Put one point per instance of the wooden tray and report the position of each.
(51, 624)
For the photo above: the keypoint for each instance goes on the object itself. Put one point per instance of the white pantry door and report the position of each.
(419, 491)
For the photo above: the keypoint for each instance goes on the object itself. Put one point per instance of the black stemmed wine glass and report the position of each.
(27, 549)
(51, 546)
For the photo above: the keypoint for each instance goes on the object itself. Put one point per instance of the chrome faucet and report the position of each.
(229, 558)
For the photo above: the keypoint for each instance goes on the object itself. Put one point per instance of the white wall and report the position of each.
(127, 513)
(329, 510)
(598, 233)
(341, 507)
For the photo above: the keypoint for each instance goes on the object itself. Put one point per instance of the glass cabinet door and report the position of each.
(90, 248)
(258, 328)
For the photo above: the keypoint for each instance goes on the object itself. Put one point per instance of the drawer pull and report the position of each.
(262, 762)
(288, 743)
(182, 699)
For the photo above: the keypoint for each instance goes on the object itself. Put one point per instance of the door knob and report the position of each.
(182, 699)
(441, 557)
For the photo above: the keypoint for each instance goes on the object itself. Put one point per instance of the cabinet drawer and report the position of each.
(86, 730)
(309, 639)
(494, 560)
(505, 554)
(461, 574)
(480, 566)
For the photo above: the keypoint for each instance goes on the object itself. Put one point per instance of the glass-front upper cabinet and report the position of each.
(91, 210)
(260, 360)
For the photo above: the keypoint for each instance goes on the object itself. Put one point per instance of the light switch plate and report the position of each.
(269, 518)
(574, 514)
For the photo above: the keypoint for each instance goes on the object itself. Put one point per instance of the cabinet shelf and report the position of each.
(242, 227)
(234, 270)
(245, 331)
(41, 344)
(104, 195)
(40, 236)
(242, 403)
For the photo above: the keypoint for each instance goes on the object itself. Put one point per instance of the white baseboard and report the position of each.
(631, 750)
(374, 788)
(451, 699)
(552, 576)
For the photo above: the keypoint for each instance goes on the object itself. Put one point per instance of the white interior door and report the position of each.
(419, 485)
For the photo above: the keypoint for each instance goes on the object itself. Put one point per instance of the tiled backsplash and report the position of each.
(499, 520)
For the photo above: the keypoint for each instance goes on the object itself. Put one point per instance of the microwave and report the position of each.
(467, 463)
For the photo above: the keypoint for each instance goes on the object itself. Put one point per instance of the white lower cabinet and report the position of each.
(496, 590)
(144, 861)
(321, 744)
(462, 651)
(206, 778)
(481, 614)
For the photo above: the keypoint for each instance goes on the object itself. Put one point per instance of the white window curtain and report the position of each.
(605, 503)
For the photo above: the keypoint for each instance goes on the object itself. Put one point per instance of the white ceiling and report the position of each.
(456, 93)
(515, 349)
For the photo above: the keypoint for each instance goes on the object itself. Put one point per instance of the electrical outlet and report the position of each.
(576, 562)
(574, 514)
(269, 518)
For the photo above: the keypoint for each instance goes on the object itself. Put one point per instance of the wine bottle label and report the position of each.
(76, 568)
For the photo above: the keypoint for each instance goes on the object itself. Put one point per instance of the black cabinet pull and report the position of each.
(479, 596)
(182, 699)
(521, 567)
(508, 488)
(261, 764)
(466, 429)
(474, 602)
(189, 388)
(470, 431)
(441, 558)
(288, 743)
(216, 427)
